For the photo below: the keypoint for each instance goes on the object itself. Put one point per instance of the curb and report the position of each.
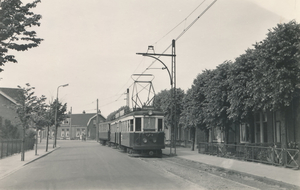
(41, 156)
(255, 177)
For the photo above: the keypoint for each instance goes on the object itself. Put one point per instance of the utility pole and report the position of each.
(70, 124)
(172, 76)
(174, 110)
(127, 97)
(97, 123)
(55, 117)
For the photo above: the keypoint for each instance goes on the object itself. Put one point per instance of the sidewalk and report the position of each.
(285, 175)
(10, 164)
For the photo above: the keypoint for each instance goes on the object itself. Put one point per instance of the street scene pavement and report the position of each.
(9, 165)
(88, 165)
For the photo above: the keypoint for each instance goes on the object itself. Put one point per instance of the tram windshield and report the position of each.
(149, 124)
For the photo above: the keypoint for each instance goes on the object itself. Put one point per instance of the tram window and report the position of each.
(131, 125)
(138, 124)
(160, 124)
(149, 124)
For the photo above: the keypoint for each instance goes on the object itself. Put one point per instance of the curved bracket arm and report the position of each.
(171, 81)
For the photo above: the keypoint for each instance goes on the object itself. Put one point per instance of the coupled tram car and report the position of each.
(139, 132)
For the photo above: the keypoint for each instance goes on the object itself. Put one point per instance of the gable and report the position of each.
(11, 94)
(81, 119)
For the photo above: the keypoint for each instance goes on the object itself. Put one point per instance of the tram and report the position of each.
(139, 131)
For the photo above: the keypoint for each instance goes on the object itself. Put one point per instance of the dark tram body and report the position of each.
(139, 132)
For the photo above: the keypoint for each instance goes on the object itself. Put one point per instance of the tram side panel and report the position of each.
(125, 139)
(104, 133)
(113, 131)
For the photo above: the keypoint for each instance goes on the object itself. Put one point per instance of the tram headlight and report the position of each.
(154, 140)
(145, 140)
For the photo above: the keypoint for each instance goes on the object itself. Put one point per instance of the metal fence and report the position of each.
(262, 153)
(9, 147)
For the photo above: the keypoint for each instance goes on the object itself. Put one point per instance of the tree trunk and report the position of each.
(47, 139)
(193, 138)
(23, 145)
(284, 135)
(36, 141)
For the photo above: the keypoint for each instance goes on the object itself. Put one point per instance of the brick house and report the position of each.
(271, 137)
(76, 125)
(8, 100)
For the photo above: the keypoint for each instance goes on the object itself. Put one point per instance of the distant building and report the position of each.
(77, 125)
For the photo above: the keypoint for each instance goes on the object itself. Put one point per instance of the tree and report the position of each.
(164, 101)
(26, 107)
(241, 81)
(277, 72)
(112, 115)
(15, 20)
(217, 99)
(194, 112)
(38, 117)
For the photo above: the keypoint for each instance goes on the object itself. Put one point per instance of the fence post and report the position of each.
(13, 147)
(252, 154)
(7, 148)
(1, 149)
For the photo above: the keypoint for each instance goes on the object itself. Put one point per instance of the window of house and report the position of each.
(244, 133)
(77, 132)
(261, 128)
(278, 132)
(217, 134)
(67, 133)
(62, 133)
(0, 121)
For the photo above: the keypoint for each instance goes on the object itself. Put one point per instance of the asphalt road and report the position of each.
(88, 165)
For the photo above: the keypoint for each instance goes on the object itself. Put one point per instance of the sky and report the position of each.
(91, 45)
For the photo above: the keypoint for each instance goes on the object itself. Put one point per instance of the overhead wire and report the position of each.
(184, 20)
(184, 31)
(178, 37)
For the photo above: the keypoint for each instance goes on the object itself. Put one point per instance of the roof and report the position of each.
(94, 117)
(12, 94)
(82, 119)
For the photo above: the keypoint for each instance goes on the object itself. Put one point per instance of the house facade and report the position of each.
(271, 137)
(8, 101)
(76, 126)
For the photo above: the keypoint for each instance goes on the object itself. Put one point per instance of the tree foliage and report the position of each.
(61, 112)
(39, 117)
(241, 82)
(164, 101)
(15, 21)
(27, 105)
(112, 115)
(264, 78)
(276, 75)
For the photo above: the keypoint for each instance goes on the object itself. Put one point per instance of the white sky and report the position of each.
(92, 44)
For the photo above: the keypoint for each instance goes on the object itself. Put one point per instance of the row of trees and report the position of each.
(266, 77)
(33, 114)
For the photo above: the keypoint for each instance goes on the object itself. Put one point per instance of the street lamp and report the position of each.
(55, 117)
(172, 75)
